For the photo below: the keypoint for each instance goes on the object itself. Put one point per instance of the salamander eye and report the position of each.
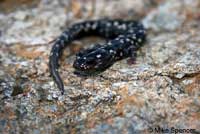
(90, 62)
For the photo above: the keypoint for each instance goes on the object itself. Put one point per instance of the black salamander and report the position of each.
(124, 39)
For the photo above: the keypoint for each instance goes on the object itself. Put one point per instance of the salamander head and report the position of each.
(92, 61)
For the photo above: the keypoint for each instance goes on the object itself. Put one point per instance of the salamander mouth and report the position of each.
(87, 73)
(92, 71)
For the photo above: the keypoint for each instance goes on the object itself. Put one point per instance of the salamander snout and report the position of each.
(96, 61)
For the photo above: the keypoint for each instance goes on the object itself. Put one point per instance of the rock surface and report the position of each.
(161, 90)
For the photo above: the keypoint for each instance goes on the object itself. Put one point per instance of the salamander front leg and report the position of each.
(133, 55)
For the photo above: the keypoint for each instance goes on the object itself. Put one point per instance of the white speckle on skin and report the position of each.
(132, 42)
(62, 42)
(98, 56)
(82, 65)
(88, 25)
(111, 51)
(84, 58)
(94, 26)
(97, 66)
(141, 31)
(116, 23)
(109, 43)
(85, 67)
(121, 54)
(139, 40)
(123, 27)
(131, 31)
(57, 45)
(121, 41)
(108, 24)
(127, 39)
(134, 36)
(65, 35)
(117, 39)
(58, 40)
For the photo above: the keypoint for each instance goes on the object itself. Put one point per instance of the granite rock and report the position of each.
(161, 90)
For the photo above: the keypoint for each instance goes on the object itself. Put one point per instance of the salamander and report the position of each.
(124, 38)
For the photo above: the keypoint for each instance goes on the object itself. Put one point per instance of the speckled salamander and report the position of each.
(124, 38)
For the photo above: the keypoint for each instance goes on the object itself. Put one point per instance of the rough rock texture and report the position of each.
(161, 90)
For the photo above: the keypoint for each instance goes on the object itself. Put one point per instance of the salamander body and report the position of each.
(124, 39)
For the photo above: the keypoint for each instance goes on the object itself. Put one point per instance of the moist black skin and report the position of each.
(124, 39)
